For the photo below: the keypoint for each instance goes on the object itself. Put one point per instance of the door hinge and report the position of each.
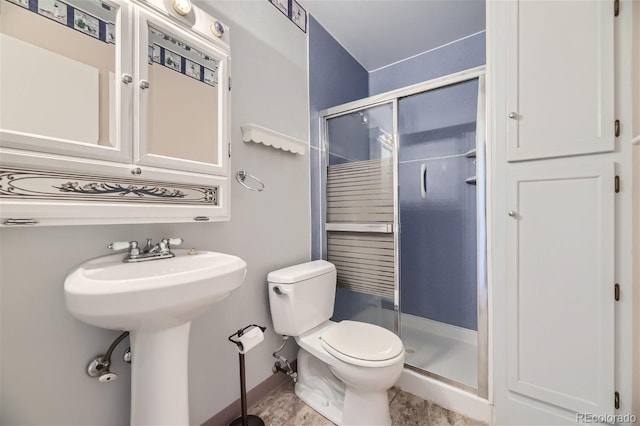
(616, 7)
(616, 184)
(616, 292)
(229, 149)
(616, 126)
(229, 83)
(616, 400)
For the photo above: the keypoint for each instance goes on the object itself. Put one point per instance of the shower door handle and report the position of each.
(423, 181)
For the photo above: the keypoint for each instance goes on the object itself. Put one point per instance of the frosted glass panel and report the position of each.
(360, 197)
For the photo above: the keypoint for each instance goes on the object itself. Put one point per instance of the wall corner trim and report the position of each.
(268, 137)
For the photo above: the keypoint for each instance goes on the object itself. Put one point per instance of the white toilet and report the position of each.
(345, 368)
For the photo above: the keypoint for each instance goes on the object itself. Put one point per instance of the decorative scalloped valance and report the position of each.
(259, 134)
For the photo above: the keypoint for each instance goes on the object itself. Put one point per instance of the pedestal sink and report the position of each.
(155, 301)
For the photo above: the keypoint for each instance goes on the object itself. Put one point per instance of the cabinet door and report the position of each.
(560, 270)
(63, 84)
(181, 99)
(560, 78)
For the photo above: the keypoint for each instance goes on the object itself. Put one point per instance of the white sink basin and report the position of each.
(155, 301)
(108, 293)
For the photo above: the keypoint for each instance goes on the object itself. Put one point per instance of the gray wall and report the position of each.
(45, 350)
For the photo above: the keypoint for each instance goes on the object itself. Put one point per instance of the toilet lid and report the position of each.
(363, 341)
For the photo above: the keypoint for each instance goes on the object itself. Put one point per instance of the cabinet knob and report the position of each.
(512, 213)
(136, 171)
(126, 78)
(144, 84)
(513, 115)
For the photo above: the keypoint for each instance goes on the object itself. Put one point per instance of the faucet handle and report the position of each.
(134, 251)
(121, 245)
(174, 241)
(148, 246)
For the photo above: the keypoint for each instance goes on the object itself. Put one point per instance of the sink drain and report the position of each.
(409, 350)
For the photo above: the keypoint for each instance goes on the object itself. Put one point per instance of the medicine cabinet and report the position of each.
(113, 111)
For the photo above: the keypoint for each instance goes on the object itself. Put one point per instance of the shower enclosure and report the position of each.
(404, 218)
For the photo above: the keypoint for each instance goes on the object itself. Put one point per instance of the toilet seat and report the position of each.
(362, 344)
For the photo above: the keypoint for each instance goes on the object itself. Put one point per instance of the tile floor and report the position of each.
(283, 408)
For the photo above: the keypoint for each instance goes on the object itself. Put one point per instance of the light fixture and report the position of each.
(182, 7)
(217, 29)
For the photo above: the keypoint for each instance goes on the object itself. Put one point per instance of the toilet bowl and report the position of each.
(359, 396)
(344, 368)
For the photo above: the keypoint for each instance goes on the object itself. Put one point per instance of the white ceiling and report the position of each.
(380, 32)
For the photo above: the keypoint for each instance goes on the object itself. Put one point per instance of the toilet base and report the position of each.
(366, 409)
(319, 388)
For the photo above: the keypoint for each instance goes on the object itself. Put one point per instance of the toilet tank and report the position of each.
(301, 297)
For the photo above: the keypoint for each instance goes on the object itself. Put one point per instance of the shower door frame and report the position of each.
(392, 97)
(371, 228)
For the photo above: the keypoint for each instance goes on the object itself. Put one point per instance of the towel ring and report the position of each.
(242, 175)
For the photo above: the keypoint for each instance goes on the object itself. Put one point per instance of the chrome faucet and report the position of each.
(161, 250)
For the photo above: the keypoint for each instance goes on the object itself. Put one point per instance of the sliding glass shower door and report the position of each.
(405, 221)
(361, 213)
(438, 219)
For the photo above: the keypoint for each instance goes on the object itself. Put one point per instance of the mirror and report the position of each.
(182, 116)
(57, 71)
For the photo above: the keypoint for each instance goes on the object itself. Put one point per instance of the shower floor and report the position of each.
(441, 349)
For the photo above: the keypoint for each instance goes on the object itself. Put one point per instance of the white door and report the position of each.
(560, 288)
(560, 78)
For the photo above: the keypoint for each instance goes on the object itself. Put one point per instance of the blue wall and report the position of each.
(335, 77)
(463, 54)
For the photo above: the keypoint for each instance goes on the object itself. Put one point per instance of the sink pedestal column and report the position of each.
(160, 377)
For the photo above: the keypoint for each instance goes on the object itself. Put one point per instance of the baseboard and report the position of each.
(255, 395)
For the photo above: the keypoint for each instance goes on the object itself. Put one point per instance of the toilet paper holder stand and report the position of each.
(240, 332)
(244, 419)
